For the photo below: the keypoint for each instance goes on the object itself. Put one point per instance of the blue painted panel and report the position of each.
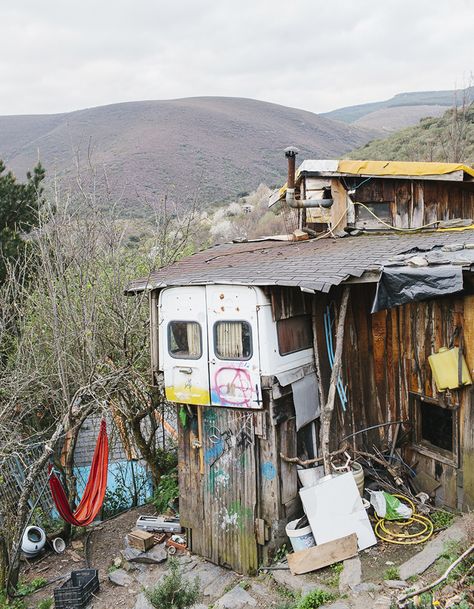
(125, 480)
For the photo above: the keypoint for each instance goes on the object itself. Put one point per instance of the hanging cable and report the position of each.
(330, 350)
(396, 228)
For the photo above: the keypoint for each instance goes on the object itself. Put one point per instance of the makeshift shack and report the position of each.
(243, 341)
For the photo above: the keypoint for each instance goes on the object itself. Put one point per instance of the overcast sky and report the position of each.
(62, 55)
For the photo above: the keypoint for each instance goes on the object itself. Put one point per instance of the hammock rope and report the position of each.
(94, 492)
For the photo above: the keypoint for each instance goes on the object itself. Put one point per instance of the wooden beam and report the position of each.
(328, 407)
(323, 555)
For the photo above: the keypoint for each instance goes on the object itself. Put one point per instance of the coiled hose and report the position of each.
(384, 529)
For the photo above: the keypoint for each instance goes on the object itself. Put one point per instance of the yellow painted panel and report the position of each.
(188, 395)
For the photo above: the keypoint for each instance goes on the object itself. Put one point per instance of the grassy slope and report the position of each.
(433, 139)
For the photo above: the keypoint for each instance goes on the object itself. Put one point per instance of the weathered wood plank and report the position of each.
(322, 555)
(467, 436)
(339, 206)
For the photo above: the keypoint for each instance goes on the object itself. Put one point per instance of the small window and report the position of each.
(294, 334)
(436, 426)
(184, 339)
(233, 340)
(435, 429)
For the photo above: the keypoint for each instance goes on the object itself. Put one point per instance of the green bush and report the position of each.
(442, 519)
(16, 604)
(174, 592)
(392, 573)
(166, 460)
(29, 587)
(166, 491)
(315, 599)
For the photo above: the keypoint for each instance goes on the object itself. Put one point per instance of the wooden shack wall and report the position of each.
(236, 508)
(385, 358)
(419, 202)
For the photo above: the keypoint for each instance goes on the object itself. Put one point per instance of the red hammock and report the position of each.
(94, 492)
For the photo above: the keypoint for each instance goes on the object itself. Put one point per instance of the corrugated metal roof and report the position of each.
(313, 265)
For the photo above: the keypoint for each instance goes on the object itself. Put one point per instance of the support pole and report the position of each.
(200, 439)
(328, 407)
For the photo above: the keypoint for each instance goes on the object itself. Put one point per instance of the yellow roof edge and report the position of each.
(401, 168)
(389, 168)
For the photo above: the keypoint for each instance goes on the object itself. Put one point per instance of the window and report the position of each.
(366, 219)
(437, 426)
(435, 429)
(233, 340)
(184, 339)
(294, 334)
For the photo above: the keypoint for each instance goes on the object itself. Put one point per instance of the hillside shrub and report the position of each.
(174, 592)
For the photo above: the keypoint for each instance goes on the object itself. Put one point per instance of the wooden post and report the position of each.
(317, 364)
(200, 439)
(328, 407)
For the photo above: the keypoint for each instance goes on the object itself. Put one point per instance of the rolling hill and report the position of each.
(402, 110)
(211, 148)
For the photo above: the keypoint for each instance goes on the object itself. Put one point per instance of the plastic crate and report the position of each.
(77, 591)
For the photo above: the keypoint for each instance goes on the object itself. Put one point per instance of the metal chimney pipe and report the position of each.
(290, 154)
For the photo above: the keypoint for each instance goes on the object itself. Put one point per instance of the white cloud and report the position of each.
(60, 55)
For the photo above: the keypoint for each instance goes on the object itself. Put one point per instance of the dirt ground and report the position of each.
(105, 542)
(97, 549)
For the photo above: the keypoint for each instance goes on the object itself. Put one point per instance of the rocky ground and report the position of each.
(373, 579)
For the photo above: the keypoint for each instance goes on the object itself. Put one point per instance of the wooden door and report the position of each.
(220, 505)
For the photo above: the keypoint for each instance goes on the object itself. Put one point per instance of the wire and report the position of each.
(330, 350)
(396, 228)
(371, 427)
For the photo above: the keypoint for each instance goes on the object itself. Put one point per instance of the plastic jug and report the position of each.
(444, 366)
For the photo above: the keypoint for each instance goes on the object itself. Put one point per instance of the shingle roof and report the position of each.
(313, 265)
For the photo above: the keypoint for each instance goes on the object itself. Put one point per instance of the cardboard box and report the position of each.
(141, 540)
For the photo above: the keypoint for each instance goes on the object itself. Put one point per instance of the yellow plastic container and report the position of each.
(444, 366)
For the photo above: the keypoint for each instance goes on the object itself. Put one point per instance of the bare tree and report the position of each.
(457, 130)
(72, 344)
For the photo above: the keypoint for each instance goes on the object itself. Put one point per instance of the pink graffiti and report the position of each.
(233, 386)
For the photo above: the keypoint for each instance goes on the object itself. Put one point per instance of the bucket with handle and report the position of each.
(300, 538)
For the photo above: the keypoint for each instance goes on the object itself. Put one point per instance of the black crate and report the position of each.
(77, 591)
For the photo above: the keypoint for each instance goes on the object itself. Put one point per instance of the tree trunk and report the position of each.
(328, 408)
(3, 562)
(23, 508)
(147, 453)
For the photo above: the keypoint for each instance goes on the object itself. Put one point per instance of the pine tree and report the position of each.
(19, 207)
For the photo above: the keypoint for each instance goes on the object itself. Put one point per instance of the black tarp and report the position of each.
(401, 284)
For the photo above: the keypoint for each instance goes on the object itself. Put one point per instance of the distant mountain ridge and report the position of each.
(203, 148)
(401, 110)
